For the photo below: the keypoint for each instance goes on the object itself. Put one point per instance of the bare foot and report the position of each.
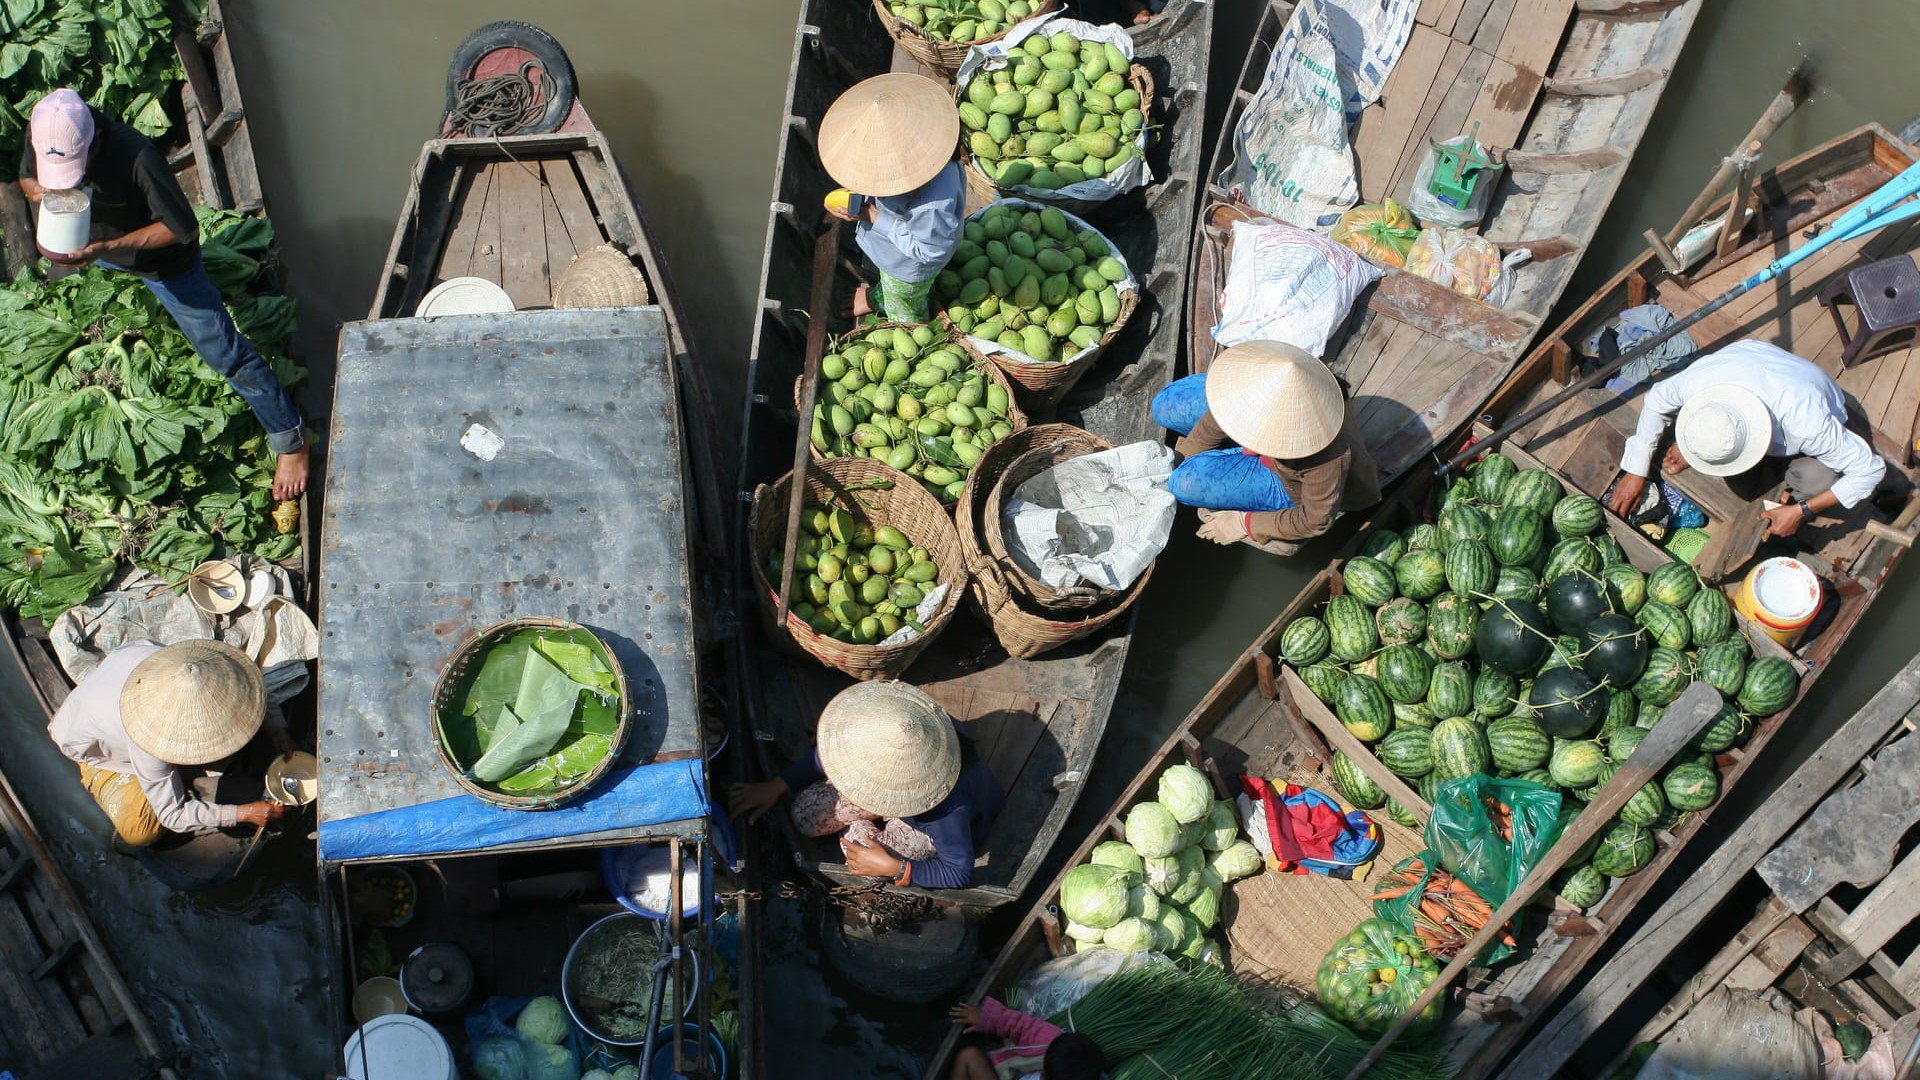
(290, 475)
(861, 307)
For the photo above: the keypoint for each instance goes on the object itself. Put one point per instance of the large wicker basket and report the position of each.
(982, 190)
(941, 56)
(1023, 627)
(1016, 416)
(905, 505)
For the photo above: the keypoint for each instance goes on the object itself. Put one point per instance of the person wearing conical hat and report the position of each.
(886, 752)
(1755, 415)
(149, 713)
(1270, 452)
(889, 142)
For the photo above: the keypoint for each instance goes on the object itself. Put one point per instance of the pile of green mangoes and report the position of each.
(1031, 281)
(1059, 112)
(903, 396)
(961, 21)
(853, 582)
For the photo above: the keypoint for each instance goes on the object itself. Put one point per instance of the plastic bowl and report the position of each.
(662, 1067)
(216, 586)
(617, 864)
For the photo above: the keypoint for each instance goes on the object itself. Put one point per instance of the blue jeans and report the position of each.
(1226, 479)
(195, 304)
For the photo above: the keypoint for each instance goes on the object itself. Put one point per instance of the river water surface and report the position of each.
(340, 96)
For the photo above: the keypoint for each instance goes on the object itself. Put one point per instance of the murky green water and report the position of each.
(341, 94)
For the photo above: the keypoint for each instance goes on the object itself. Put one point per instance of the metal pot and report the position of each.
(437, 978)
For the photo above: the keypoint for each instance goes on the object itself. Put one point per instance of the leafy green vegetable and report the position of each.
(498, 690)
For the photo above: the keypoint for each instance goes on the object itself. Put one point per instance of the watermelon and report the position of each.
(1567, 703)
(1415, 715)
(1649, 715)
(1722, 732)
(1673, 584)
(1452, 625)
(1494, 693)
(1576, 763)
(1464, 522)
(1368, 579)
(1362, 706)
(1459, 493)
(1421, 574)
(1624, 849)
(1512, 636)
(1517, 744)
(1578, 515)
(1666, 624)
(1614, 648)
(1402, 815)
(1517, 583)
(1622, 742)
(1354, 785)
(1400, 622)
(1724, 665)
(1490, 477)
(1575, 599)
(1424, 537)
(1532, 489)
(1575, 554)
(1626, 586)
(1350, 628)
(1385, 545)
(1587, 793)
(1304, 641)
(1563, 652)
(1645, 807)
(1610, 550)
(1408, 752)
(1450, 692)
(1621, 709)
(1709, 617)
(1403, 673)
(1519, 536)
(1770, 684)
(1324, 680)
(1470, 568)
(1429, 786)
(1583, 887)
(1666, 676)
(1690, 786)
(1459, 749)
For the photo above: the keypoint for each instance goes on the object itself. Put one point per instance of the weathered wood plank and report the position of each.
(456, 257)
(1440, 311)
(1380, 138)
(1853, 836)
(486, 240)
(1505, 101)
(1342, 740)
(523, 237)
(564, 185)
(1450, 74)
(1533, 35)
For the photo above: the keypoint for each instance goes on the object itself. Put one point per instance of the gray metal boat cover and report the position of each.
(482, 467)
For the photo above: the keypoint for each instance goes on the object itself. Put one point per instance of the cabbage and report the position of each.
(1192, 831)
(1095, 896)
(596, 1074)
(500, 1058)
(1238, 861)
(543, 1020)
(1222, 829)
(1131, 935)
(1082, 933)
(1088, 946)
(627, 1072)
(1118, 853)
(549, 1062)
(1193, 866)
(1186, 793)
(1197, 942)
(1163, 875)
(1143, 902)
(1205, 905)
(1152, 831)
(1176, 927)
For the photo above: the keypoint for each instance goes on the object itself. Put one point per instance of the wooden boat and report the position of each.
(1036, 722)
(1570, 87)
(1259, 719)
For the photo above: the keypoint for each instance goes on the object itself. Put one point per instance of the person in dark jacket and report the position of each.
(888, 753)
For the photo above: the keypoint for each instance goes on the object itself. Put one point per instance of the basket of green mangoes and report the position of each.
(1056, 116)
(873, 551)
(912, 397)
(1038, 292)
(938, 32)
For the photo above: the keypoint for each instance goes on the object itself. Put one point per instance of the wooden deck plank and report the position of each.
(1533, 34)
(1504, 103)
(1596, 458)
(560, 249)
(523, 237)
(1451, 71)
(564, 185)
(1448, 15)
(1492, 26)
(486, 240)
(1890, 372)
(1027, 722)
(1472, 14)
(1448, 117)
(1380, 139)
(1897, 418)
(456, 257)
(1357, 359)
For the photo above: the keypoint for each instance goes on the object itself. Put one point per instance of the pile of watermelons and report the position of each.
(1513, 638)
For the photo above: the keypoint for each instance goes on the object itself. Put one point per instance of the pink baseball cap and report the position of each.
(62, 132)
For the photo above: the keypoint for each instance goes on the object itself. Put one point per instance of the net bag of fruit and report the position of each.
(1373, 975)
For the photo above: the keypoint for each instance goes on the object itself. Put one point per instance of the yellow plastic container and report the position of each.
(1781, 596)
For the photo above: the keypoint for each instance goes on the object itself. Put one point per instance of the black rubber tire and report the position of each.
(511, 34)
(901, 975)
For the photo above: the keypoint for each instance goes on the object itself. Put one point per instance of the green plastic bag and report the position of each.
(1373, 975)
(1465, 840)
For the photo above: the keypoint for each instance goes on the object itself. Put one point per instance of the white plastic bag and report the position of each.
(1059, 984)
(1101, 518)
(1288, 284)
(1467, 263)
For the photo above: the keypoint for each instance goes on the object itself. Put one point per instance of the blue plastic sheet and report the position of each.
(630, 799)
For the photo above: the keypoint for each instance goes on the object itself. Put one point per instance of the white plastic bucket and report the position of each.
(397, 1046)
(66, 223)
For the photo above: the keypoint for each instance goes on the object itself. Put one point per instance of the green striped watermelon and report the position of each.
(1458, 493)
(1582, 887)
(1576, 763)
(1519, 536)
(1532, 489)
(1666, 624)
(1362, 707)
(1400, 622)
(1490, 477)
(1415, 715)
(1724, 665)
(1517, 744)
(1709, 617)
(1369, 579)
(1494, 692)
(1462, 521)
(1727, 728)
(1691, 786)
(1770, 684)
(1673, 584)
(1517, 583)
(1621, 709)
(1354, 785)
(1350, 628)
(1459, 749)
(1402, 815)
(1324, 680)
(1304, 641)
(1563, 652)
(1622, 742)
(1450, 692)
(1370, 667)
(1624, 849)
(1408, 752)
(1385, 545)
(1424, 537)
(1649, 715)
(1587, 793)
(1667, 674)
(1610, 550)
(1470, 568)
(1452, 622)
(1573, 555)
(1645, 807)
(1404, 672)
(1578, 515)
(1421, 574)
(1626, 586)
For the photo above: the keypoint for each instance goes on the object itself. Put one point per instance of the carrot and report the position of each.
(1435, 910)
(1393, 891)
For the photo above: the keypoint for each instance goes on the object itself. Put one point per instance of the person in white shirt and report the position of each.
(1746, 402)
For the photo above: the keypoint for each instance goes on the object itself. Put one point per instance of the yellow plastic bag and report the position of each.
(1382, 232)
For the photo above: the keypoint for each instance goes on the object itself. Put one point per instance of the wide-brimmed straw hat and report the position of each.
(193, 703)
(889, 748)
(1275, 399)
(889, 134)
(1723, 430)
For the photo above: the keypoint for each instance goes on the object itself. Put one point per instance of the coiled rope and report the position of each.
(503, 104)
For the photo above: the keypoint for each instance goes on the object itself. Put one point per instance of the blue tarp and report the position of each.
(630, 799)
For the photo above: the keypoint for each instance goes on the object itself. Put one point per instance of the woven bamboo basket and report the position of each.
(601, 276)
(453, 679)
(981, 189)
(1024, 628)
(906, 506)
(942, 56)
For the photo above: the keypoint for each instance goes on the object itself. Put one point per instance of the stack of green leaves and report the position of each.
(118, 445)
(118, 54)
(540, 711)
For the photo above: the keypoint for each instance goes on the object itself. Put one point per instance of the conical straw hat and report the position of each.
(194, 702)
(889, 748)
(601, 276)
(889, 134)
(1275, 399)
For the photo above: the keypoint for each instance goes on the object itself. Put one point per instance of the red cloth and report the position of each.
(1300, 829)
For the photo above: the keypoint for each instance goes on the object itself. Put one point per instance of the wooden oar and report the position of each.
(826, 250)
(1684, 720)
(1882, 208)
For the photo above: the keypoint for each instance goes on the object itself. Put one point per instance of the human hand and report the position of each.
(966, 1014)
(841, 214)
(85, 256)
(869, 860)
(1674, 462)
(1222, 527)
(260, 813)
(1784, 520)
(746, 802)
(1626, 494)
(1142, 17)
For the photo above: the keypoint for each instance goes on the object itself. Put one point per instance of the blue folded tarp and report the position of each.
(630, 799)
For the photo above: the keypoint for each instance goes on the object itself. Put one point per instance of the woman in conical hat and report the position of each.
(1271, 453)
(889, 142)
(887, 751)
(147, 714)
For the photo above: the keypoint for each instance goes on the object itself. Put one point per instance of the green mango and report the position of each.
(1053, 261)
(1061, 323)
(1027, 294)
(1036, 45)
(976, 267)
(1064, 43)
(908, 410)
(965, 30)
(992, 9)
(1048, 121)
(1000, 128)
(1013, 173)
(983, 146)
(1042, 142)
(1015, 271)
(1086, 337)
(1070, 172)
(997, 252)
(965, 252)
(1093, 167)
(1091, 123)
(1020, 244)
(980, 93)
(1095, 101)
(1109, 305)
(997, 282)
(1111, 269)
(1068, 151)
(898, 369)
(1099, 144)
(974, 291)
(974, 231)
(1027, 72)
(1121, 157)
(1054, 289)
(1008, 104)
(1055, 81)
(1111, 83)
(1009, 339)
(973, 116)
(1116, 60)
(991, 328)
(1045, 180)
(1126, 100)
(1132, 121)
(1060, 63)
(1093, 64)
(1038, 101)
(1037, 343)
(833, 365)
(1094, 245)
(1087, 307)
(1071, 112)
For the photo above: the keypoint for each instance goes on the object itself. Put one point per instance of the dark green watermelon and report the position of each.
(1724, 665)
(1459, 749)
(1582, 887)
(1609, 548)
(1519, 536)
(1690, 786)
(1646, 807)
(1324, 680)
(1414, 715)
(1622, 742)
(1408, 752)
(1727, 728)
(1614, 648)
(1624, 849)
(1563, 652)
(1576, 599)
(1363, 708)
(1567, 703)
(1350, 632)
(1576, 763)
(1512, 636)
(1450, 691)
(1424, 537)
(1622, 707)
(1666, 624)
(1518, 744)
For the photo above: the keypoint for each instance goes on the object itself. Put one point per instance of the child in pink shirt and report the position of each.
(1035, 1050)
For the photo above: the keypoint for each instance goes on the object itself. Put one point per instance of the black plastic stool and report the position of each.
(1887, 296)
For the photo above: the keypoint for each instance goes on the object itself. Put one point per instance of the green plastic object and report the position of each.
(1457, 169)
